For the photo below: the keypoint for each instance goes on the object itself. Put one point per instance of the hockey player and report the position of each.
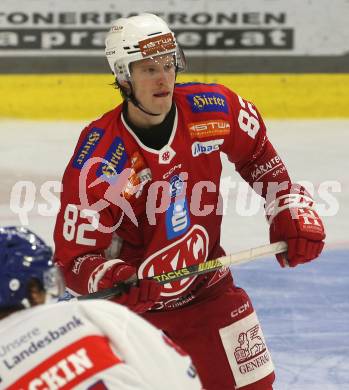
(76, 345)
(141, 197)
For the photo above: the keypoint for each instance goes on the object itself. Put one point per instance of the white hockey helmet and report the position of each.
(136, 38)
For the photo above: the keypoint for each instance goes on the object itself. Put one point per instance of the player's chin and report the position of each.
(163, 105)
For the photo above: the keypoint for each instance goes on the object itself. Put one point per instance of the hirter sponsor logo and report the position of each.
(210, 128)
(87, 148)
(208, 102)
(190, 250)
(114, 160)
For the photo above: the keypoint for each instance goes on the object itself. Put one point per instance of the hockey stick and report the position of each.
(196, 269)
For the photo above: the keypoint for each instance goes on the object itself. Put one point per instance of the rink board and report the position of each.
(87, 96)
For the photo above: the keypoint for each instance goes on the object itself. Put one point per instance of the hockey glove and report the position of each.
(139, 296)
(293, 219)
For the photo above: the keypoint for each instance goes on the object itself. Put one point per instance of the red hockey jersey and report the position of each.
(159, 210)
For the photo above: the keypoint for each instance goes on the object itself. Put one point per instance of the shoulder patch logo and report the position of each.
(88, 146)
(208, 102)
(115, 159)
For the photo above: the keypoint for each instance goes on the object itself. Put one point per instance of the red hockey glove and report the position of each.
(139, 296)
(292, 218)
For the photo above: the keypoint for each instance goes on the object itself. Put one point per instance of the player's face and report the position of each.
(153, 83)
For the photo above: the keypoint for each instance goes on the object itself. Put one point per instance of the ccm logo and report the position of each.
(240, 309)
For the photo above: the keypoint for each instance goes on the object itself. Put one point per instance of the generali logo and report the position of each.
(250, 345)
(217, 127)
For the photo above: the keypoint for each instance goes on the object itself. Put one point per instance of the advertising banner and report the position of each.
(209, 28)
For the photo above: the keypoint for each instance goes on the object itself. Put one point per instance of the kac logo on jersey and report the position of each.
(189, 250)
(88, 146)
(207, 147)
(116, 158)
(177, 219)
(208, 102)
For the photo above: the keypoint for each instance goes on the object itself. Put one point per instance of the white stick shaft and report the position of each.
(253, 253)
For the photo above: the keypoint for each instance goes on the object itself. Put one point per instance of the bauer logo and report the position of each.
(207, 147)
(115, 159)
(88, 146)
(208, 102)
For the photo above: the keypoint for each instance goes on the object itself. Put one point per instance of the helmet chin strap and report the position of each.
(132, 98)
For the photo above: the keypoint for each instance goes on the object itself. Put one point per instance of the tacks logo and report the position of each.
(115, 159)
(207, 147)
(189, 250)
(88, 146)
(208, 102)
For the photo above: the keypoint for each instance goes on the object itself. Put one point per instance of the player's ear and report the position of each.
(125, 85)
